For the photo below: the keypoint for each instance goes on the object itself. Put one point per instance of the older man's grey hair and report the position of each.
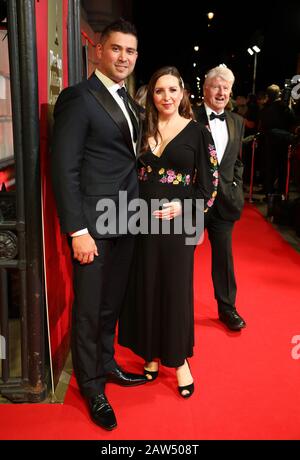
(222, 72)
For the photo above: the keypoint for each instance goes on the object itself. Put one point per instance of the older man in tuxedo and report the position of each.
(96, 134)
(227, 131)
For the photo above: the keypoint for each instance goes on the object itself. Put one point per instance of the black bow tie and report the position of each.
(221, 117)
(123, 94)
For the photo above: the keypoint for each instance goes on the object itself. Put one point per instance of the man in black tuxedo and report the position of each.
(227, 131)
(95, 138)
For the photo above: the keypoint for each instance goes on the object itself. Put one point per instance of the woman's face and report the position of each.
(167, 95)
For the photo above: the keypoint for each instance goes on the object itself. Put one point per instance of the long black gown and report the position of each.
(157, 319)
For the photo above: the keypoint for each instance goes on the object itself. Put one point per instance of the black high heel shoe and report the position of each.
(190, 388)
(150, 375)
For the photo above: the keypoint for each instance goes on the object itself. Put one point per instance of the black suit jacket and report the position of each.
(92, 155)
(230, 197)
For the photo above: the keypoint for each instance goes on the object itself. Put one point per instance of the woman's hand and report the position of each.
(170, 211)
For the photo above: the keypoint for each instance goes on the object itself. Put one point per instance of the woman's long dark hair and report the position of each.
(151, 117)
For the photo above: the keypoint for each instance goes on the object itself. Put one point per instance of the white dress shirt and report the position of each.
(219, 133)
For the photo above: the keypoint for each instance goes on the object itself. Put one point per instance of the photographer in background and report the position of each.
(276, 123)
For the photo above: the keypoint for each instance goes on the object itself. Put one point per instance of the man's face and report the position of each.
(117, 56)
(216, 93)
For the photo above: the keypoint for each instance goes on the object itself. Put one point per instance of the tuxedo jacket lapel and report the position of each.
(136, 108)
(202, 117)
(139, 111)
(230, 129)
(103, 96)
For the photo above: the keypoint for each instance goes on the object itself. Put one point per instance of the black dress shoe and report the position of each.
(101, 412)
(125, 379)
(232, 319)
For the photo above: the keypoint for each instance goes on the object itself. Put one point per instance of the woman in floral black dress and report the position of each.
(177, 162)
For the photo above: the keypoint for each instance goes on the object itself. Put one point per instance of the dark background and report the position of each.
(168, 32)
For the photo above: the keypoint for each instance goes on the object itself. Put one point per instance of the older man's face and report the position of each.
(216, 93)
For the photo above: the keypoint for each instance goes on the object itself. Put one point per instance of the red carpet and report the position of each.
(247, 384)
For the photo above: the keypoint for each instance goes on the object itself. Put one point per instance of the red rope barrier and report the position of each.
(252, 170)
(288, 172)
(85, 35)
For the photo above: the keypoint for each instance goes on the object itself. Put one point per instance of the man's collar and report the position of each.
(111, 85)
(209, 110)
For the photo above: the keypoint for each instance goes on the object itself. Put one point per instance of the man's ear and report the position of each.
(99, 50)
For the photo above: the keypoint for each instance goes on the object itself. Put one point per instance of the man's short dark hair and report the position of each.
(118, 26)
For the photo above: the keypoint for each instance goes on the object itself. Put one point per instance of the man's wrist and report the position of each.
(84, 231)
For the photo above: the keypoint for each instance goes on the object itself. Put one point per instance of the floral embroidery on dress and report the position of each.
(143, 172)
(215, 172)
(171, 177)
(168, 176)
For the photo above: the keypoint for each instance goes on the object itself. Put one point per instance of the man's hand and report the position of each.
(171, 210)
(84, 248)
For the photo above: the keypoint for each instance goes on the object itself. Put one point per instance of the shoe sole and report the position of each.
(126, 384)
(231, 328)
(108, 428)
